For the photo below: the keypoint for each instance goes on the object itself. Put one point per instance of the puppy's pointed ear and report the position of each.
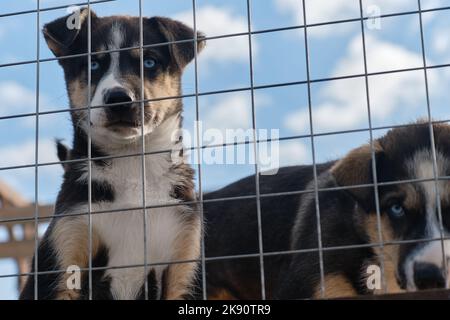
(63, 153)
(356, 169)
(172, 30)
(61, 33)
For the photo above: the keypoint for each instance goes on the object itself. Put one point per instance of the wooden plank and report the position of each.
(434, 294)
(25, 212)
(11, 197)
(17, 249)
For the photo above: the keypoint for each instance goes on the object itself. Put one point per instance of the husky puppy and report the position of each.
(413, 256)
(117, 179)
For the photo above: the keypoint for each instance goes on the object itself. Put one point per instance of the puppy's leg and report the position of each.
(70, 239)
(46, 281)
(179, 277)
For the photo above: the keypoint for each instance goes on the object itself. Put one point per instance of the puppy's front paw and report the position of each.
(68, 295)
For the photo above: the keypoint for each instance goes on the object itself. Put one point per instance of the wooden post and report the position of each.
(21, 249)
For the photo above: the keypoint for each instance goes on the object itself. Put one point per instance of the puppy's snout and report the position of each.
(428, 276)
(122, 110)
(117, 95)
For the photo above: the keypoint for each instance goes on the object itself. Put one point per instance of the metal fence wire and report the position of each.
(255, 142)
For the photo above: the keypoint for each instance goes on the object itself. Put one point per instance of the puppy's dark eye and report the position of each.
(149, 63)
(396, 211)
(95, 65)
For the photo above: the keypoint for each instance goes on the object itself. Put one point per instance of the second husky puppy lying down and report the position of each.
(408, 207)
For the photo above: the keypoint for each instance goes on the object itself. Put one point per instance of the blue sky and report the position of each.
(335, 50)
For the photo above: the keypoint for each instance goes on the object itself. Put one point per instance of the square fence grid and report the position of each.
(199, 147)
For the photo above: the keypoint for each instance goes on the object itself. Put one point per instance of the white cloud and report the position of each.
(318, 11)
(344, 105)
(294, 152)
(441, 42)
(233, 111)
(291, 7)
(15, 98)
(289, 153)
(328, 10)
(22, 180)
(24, 154)
(215, 21)
(48, 2)
(429, 4)
(389, 6)
(381, 56)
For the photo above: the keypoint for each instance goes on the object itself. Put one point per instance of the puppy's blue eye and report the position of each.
(396, 211)
(95, 65)
(149, 63)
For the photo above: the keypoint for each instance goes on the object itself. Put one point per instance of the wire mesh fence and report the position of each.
(311, 79)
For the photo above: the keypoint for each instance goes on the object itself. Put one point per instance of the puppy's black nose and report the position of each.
(121, 110)
(428, 276)
(117, 95)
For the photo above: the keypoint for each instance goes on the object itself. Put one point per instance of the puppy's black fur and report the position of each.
(347, 218)
(232, 229)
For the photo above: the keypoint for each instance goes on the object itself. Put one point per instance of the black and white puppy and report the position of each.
(409, 215)
(117, 239)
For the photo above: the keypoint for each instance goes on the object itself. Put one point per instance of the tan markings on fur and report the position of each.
(165, 85)
(336, 286)
(412, 200)
(135, 53)
(389, 253)
(221, 294)
(180, 275)
(53, 45)
(352, 169)
(70, 238)
(185, 186)
(78, 94)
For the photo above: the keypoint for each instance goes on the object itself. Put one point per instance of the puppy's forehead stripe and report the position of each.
(117, 36)
(421, 166)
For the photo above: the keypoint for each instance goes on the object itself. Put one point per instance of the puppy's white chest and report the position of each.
(124, 236)
(123, 231)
